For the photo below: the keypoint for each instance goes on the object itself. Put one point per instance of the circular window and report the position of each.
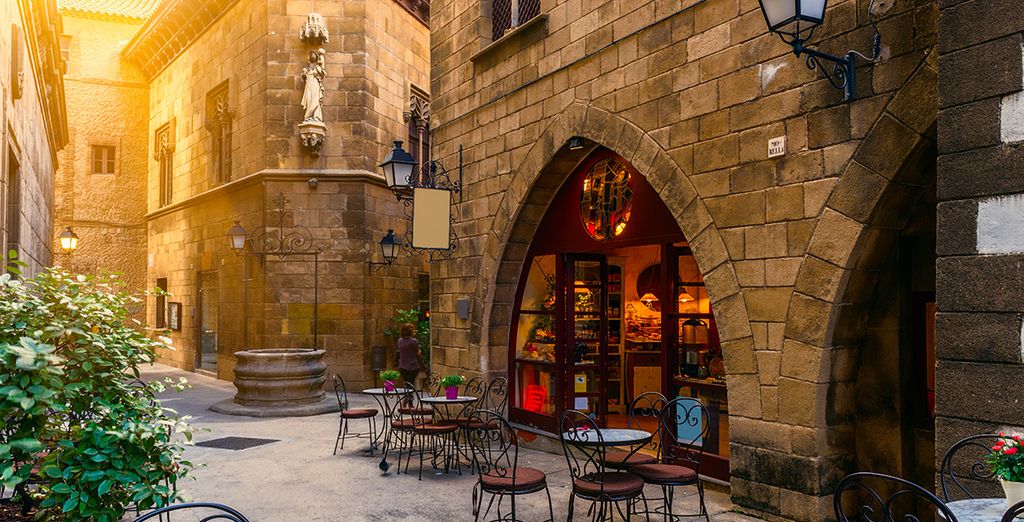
(607, 199)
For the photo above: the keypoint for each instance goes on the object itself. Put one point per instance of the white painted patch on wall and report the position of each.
(1001, 225)
(1011, 117)
(1022, 341)
(768, 72)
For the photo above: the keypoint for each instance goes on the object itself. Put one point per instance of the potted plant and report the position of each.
(451, 385)
(1007, 461)
(389, 377)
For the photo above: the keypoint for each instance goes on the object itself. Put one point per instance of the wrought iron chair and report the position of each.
(432, 383)
(644, 412)
(493, 398)
(427, 435)
(406, 414)
(585, 452)
(1015, 511)
(346, 414)
(219, 512)
(682, 430)
(964, 471)
(496, 453)
(870, 497)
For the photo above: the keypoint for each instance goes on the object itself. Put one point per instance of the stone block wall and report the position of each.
(108, 104)
(980, 186)
(690, 93)
(31, 136)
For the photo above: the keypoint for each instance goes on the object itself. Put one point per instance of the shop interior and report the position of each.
(603, 319)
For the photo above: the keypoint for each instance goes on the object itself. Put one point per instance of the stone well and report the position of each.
(285, 382)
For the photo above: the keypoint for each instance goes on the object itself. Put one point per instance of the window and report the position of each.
(509, 14)
(102, 159)
(13, 220)
(218, 123)
(161, 303)
(65, 51)
(164, 154)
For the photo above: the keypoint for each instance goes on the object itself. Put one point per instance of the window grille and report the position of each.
(509, 14)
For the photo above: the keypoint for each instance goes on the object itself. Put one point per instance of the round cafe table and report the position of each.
(979, 509)
(445, 413)
(384, 432)
(609, 437)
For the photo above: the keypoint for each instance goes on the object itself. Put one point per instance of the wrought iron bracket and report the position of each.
(433, 174)
(375, 266)
(843, 71)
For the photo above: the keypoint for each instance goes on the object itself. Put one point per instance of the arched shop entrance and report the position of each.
(611, 304)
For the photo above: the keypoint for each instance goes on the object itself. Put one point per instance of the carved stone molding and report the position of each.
(314, 31)
(312, 134)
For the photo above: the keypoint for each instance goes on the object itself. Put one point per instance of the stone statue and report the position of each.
(313, 94)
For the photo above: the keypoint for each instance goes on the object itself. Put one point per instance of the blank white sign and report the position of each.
(431, 218)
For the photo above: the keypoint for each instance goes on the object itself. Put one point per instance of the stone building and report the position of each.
(34, 127)
(252, 105)
(808, 269)
(101, 187)
(980, 182)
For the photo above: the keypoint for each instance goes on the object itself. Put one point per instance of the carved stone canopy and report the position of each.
(314, 31)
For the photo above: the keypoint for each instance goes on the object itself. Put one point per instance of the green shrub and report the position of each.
(75, 421)
(415, 317)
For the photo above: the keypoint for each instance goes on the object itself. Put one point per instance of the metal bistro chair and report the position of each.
(432, 383)
(586, 460)
(406, 414)
(347, 414)
(1015, 511)
(682, 431)
(220, 512)
(496, 451)
(494, 398)
(645, 407)
(875, 497)
(437, 437)
(964, 471)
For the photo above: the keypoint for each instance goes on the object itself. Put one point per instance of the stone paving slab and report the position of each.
(297, 478)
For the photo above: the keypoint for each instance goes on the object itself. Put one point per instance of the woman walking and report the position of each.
(408, 354)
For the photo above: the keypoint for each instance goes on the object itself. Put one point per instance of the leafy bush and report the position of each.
(390, 375)
(452, 380)
(415, 317)
(79, 432)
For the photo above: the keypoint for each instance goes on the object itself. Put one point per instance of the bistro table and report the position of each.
(979, 509)
(384, 432)
(609, 437)
(440, 405)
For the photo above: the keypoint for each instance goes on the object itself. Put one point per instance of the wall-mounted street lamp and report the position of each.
(795, 21)
(68, 240)
(426, 192)
(389, 245)
(237, 235)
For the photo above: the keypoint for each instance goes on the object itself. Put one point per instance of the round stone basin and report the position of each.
(280, 377)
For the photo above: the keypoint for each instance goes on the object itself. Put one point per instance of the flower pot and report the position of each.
(451, 392)
(389, 386)
(1014, 491)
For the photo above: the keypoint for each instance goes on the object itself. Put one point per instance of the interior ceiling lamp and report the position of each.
(575, 143)
(649, 299)
(68, 240)
(685, 297)
(795, 21)
(389, 250)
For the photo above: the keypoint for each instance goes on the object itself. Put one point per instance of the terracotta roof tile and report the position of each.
(140, 9)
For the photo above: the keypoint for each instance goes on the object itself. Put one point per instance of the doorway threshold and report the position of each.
(208, 373)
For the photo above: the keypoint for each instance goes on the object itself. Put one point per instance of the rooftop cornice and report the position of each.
(171, 29)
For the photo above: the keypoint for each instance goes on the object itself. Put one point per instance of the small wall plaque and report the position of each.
(777, 147)
(174, 316)
(462, 308)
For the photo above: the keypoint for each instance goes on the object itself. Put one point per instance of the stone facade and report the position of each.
(108, 100)
(792, 248)
(980, 181)
(243, 64)
(34, 127)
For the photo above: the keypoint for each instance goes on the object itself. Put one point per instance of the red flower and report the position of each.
(1010, 451)
(1016, 438)
(997, 447)
(1001, 434)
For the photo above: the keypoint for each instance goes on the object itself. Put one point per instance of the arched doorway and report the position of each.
(611, 304)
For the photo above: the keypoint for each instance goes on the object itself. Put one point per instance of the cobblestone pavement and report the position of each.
(298, 479)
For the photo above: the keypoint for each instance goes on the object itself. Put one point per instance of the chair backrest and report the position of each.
(432, 383)
(212, 512)
(683, 431)
(340, 392)
(645, 414)
(578, 433)
(1015, 511)
(494, 444)
(475, 387)
(495, 398)
(872, 497)
(964, 471)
